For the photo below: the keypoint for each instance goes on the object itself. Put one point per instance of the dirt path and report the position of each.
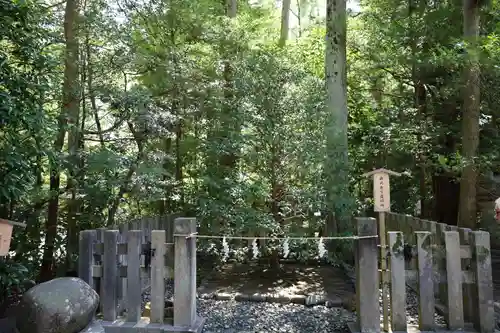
(319, 284)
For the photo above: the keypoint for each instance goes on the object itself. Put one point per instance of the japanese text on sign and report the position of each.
(381, 192)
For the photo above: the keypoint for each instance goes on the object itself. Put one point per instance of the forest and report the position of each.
(253, 117)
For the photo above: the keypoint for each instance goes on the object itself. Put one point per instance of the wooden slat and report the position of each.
(86, 259)
(367, 279)
(467, 276)
(481, 264)
(109, 297)
(465, 253)
(425, 281)
(122, 248)
(158, 276)
(398, 285)
(134, 239)
(453, 269)
(122, 272)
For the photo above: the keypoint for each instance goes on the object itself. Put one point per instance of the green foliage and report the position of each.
(185, 110)
(12, 277)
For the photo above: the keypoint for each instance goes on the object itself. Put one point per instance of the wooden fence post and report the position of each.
(468, 289)
(122, 259)
(169, 234)
(425, 281)
(98, 260)
(367, 276)
(109, 297)
(86, 256)
(454, 280)
(398, 281)
(185, 272)
(158, 276)
(134, 249)
(440, 262)
(481, 264)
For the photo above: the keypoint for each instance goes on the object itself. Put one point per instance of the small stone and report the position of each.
(313, 300)
(298, 299)
(241, 297)
(223, 296)
(207, 296)
(334, 302)
(257, 298)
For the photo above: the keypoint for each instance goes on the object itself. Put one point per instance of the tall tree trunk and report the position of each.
(299, 19)
(90, 88)
(416, 12)
(470, 117)
(285, 22)
(179, 164)
(70, 102)
(76, 125)
(231, 8)
(228, 159)
(125, 186)
(139, 137)
(336, 166)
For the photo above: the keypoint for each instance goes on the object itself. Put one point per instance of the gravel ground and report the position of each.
(232, 317)
(246, 317)
(412, 309)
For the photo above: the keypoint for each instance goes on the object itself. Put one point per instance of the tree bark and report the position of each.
(336, 165)
(285, 22)
(70, 102)
(470, 117)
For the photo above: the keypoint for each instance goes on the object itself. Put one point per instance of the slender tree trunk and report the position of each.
(336, 165)
(299, 19)
(179, 164)
(141, 154)
(285, 22)
(228, 160)
(90, 88)
(139, 140)
(231, 8)
(75, 142)
(470, 117)
(165, 204)
(419, 93)
(70, 102)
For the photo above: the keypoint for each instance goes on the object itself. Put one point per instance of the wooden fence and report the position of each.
(111, 247)
(408, 225)
(435, 245)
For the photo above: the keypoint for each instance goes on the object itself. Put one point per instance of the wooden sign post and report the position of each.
(6, 235)
(382, 204)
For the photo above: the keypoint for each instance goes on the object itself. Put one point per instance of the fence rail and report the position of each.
(451, 265)
(120, 269)
(408, 225)
(440, 252)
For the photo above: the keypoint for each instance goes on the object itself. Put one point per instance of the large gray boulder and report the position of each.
(63, 305)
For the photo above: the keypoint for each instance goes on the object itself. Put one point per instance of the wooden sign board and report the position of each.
(381, 192)
(381, 189)
(6, 232)
(6, 235)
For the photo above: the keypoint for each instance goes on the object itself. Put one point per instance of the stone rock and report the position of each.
(298, 299)
(239, 297)
(313, 300)
(223, 296)
(63, 305)
(28, 284)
